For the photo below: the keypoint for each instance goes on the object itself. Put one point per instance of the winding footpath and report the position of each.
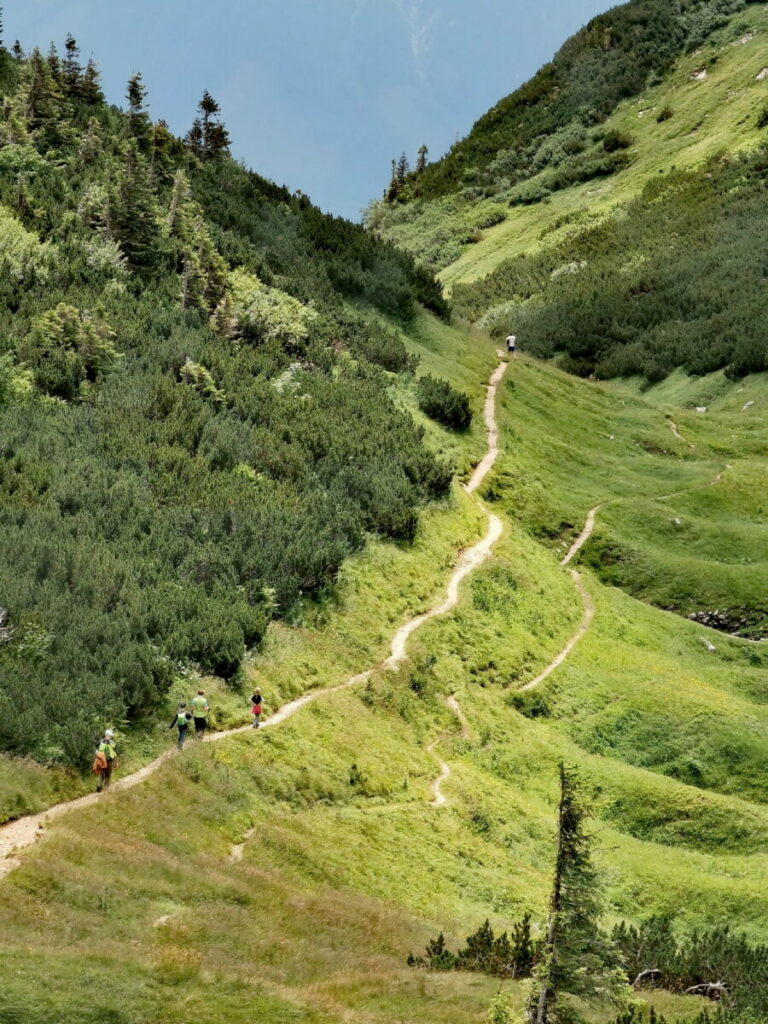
(588, 606)
(23, 832)
(676, 431)
(438, 797)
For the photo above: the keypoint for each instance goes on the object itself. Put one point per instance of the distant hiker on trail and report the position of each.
(256, 708)
(105, 760)
(512, 346)
(200, 711)
(181, 721)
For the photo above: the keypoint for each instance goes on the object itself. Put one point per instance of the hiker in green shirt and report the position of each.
(200, 711)
(181, 721)
(105, 760)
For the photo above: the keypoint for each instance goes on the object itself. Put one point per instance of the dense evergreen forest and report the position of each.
(196, 428)
(689, 291)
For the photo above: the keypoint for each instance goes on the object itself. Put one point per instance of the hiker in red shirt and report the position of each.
(256, 708)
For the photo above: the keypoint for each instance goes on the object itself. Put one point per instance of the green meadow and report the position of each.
(287, 874)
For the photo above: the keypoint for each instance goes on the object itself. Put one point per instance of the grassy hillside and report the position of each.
(232, 412)
(307, 862)
(543, 124)
(676, 214)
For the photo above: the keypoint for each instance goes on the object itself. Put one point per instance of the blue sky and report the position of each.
(317, 94)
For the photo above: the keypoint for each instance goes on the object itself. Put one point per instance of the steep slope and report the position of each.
(195, 384)
(611, 58)
(635, 269)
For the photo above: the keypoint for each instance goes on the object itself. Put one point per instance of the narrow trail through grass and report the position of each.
(586, 599)
(676, 431)
(23, 832)
(438, 797)
(586, 622)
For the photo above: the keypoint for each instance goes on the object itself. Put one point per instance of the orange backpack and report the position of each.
(100, 763)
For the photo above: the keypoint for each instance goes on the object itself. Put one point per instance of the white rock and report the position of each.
(748, 405)
(701, 408)
(710, 647)
(761, 75)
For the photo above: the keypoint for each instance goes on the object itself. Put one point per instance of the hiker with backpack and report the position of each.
(105, 760)
(200, 711)
(181, 721)
(256, 708)
(512, 346)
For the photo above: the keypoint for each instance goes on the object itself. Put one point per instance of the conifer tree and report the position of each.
(91, 143)
(179, 197)
(578, 957)
(72, 71)
(393, 189)
(193, 140)
(160, 158)
(421, 159)
(208, 137)
(203, 271)
(218, 139)
(42, 103)
(138, 119)
(134, 216)
(90, 87)
(208, 108)
(403, 169)
(54, 63)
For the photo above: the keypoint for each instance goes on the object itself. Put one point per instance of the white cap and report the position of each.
(109, 733)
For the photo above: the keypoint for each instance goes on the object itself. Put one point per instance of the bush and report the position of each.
(664, 114)
(529, 193)
(510, 955)
(443, 403)
(615, 140)
(68, 350)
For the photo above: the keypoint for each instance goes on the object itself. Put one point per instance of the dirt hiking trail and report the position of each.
(676, 431)
(438, 797)
(588, 606)
(23, 832)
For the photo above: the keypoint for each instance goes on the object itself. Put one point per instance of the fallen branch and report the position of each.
(651, 972)
(711, 989)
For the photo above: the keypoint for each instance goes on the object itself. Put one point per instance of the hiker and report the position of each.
(181, 721)
(256, 708)
(200, 710)
(105, 760)
(512, 346)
